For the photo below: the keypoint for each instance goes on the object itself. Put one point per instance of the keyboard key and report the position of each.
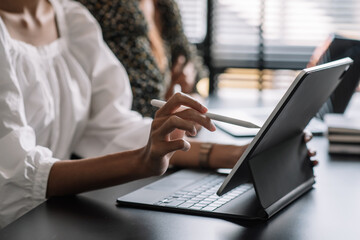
(207, 202)
(208, 208)
(215, 204)
(200, 205)
(174, 203)
(185, 205)
(196, 207)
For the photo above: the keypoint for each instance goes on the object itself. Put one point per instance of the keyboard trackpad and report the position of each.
(158, 190)
(176, 180)
(169, 184)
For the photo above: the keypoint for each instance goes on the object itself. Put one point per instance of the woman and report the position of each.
(148, 38)
(62, 91)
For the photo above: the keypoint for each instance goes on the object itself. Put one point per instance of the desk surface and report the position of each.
(331, 210)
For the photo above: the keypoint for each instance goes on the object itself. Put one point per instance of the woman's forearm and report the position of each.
(76, 176)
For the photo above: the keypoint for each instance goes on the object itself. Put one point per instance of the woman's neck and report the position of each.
(30, 21)
(21, 6)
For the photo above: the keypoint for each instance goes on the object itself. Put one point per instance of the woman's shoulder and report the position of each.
(74, 19)
(71, 8)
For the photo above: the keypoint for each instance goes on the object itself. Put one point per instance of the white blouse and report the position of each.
(71, 96)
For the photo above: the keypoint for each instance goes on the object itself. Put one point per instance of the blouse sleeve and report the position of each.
(24, 166)
(112, 126)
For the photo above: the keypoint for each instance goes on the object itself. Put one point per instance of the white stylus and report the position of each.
(217, 117)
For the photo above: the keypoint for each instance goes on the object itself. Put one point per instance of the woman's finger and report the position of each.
(194, 116)
(314, 163)
(172, 123)
(162, 149)
(175, 145)
(307, 135)
(311, 153)
(176, 101)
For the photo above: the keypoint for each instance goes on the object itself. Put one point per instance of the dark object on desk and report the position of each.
(343, 134)
(337, 47)
(340, 124)
(273, 171)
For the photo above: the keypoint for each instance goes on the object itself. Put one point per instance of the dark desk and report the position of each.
(330, 211)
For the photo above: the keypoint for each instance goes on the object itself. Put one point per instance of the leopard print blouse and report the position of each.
(125, 31)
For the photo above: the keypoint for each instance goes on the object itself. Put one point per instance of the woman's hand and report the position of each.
(183, 74)
(168, 129)
(311, 153)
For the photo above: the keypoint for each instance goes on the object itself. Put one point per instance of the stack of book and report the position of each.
(343, 134)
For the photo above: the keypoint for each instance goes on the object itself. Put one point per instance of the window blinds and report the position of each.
(288, 29)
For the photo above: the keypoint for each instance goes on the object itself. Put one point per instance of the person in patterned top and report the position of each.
(147, 37)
